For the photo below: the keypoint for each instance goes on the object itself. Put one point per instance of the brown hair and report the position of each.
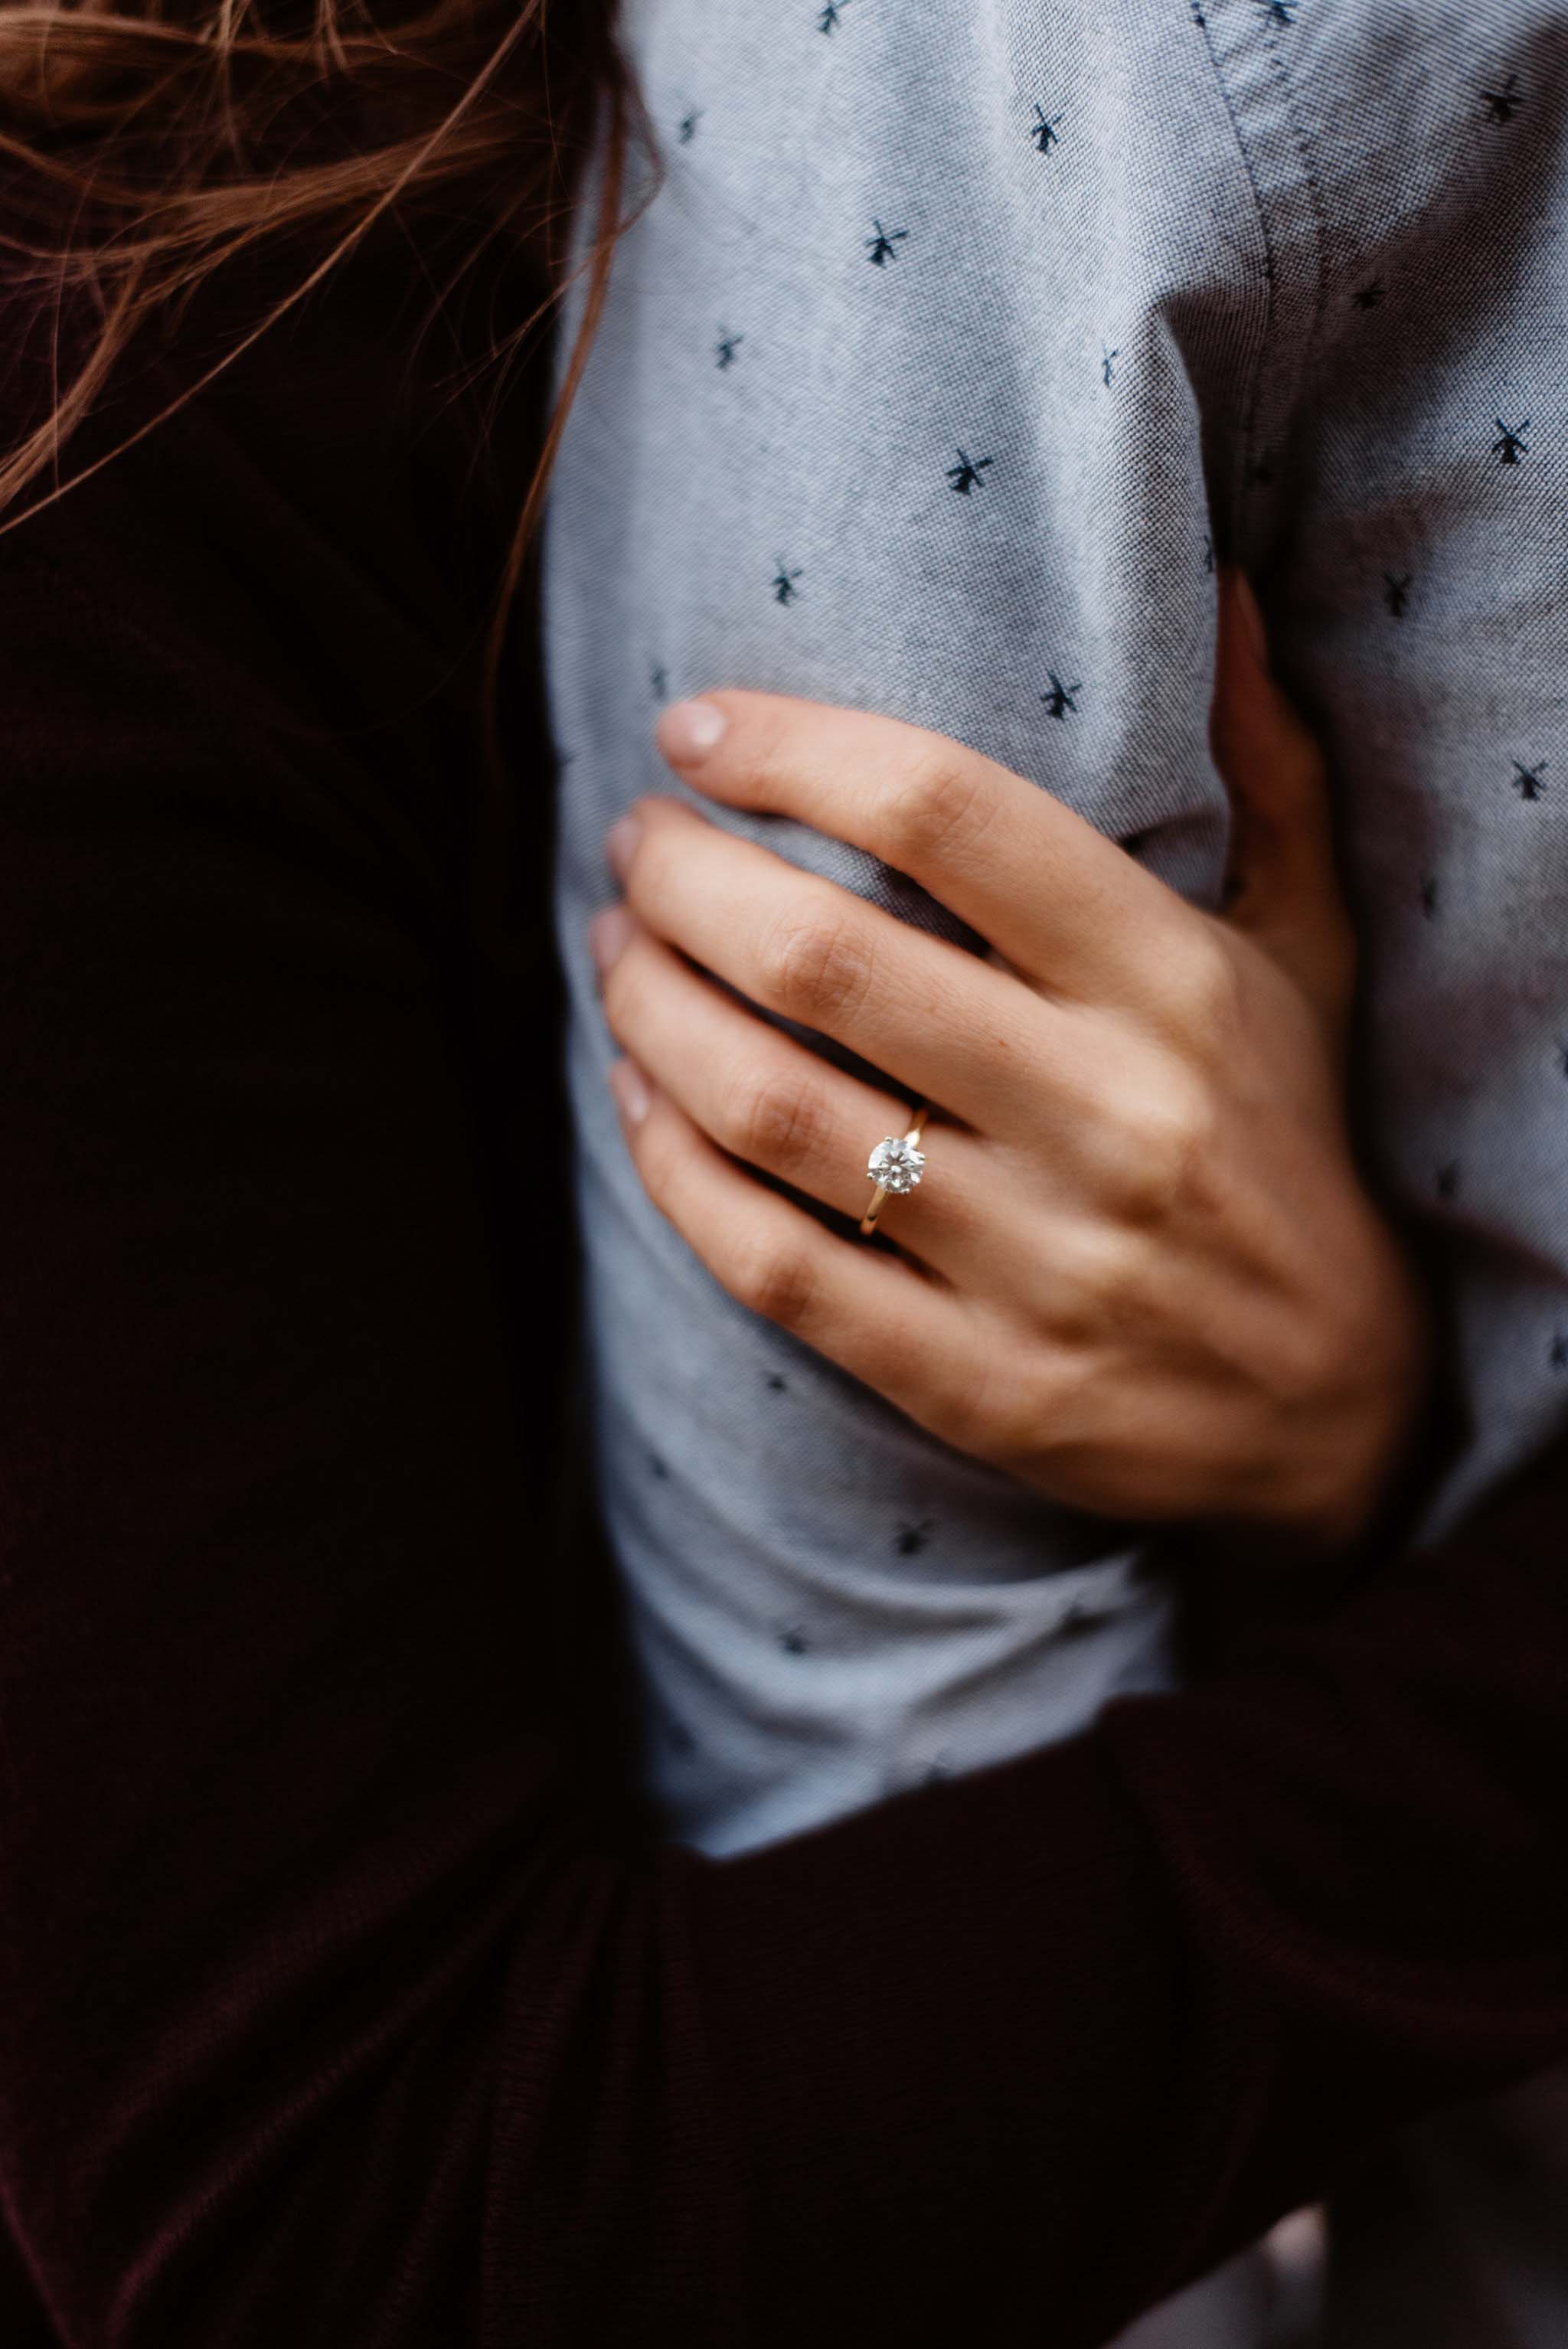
(171, 136)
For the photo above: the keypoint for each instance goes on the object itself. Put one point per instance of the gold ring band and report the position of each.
(901, 1157)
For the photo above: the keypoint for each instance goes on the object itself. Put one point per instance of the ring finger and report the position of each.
(767, 1100)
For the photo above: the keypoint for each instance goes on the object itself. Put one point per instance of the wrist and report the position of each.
(1382, 1426)
(1407, 1422)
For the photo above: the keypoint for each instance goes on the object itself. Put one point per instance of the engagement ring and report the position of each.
(895, 1166)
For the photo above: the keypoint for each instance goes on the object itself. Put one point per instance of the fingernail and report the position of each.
(1251, 618)
(621, 844)
(630, 1093)
(688, 729)
(607, 934)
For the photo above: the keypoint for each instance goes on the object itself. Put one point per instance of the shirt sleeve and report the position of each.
(344, 1996)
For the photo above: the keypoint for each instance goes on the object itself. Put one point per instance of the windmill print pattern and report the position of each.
(954, 352)
(968, 472)
(883, 243)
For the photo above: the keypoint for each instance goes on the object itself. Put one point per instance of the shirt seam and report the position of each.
(1241, 460)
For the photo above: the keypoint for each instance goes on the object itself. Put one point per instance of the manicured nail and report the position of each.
(1251, 618)
(626, 1083)
(688, 729)
(607, 934)
(620, 845)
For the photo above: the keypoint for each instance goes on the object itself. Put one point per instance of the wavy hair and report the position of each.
(146, 144)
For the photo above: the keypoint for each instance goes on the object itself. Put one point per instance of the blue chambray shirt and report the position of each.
(958, 344)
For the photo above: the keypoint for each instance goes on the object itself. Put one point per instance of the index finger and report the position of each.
(1067, 906)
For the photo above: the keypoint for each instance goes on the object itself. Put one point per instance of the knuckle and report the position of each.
(773, 1279)
(974, 1413)
(1160, 1135)
(937, 798)
(1204, 990)
(656, 1150)
(644, 879)
(773, 1121)
(1006, 1421)
(1314, 1363)
(815, 967)
(1098, 1274)
(619, 995)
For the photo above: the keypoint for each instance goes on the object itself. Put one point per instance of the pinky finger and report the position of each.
(875, 1314)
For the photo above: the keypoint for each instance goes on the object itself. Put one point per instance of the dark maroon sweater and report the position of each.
(345, 1996)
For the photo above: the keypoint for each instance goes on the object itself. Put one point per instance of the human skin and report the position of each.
(1142, 1272)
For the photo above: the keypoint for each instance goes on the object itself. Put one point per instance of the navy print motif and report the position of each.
(910, 1540)
(1397, 592)
(1042, 129)
(832, 15)
(1558, 1355)
(965, 475)
(793, 1640)
(777, 1382)
(1429, 895)
(1278, 12)
(1106, 357)
(1527, 780)
(1503, 105)
(689, 125)
(1509, 445)
(1368, 298)
(1059, 699)
(658, 679)
(727, 347)
(783, 584)
(881, 247)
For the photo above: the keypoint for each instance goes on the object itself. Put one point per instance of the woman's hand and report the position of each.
(1141, 1271)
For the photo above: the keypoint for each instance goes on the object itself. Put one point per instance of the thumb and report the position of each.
(1283, 886)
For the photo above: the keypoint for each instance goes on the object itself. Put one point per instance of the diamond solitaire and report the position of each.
(896, 1165)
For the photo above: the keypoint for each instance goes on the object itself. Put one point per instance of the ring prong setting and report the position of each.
(896, 1165)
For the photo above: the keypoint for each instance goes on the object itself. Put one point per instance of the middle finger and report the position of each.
(936, 1019)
